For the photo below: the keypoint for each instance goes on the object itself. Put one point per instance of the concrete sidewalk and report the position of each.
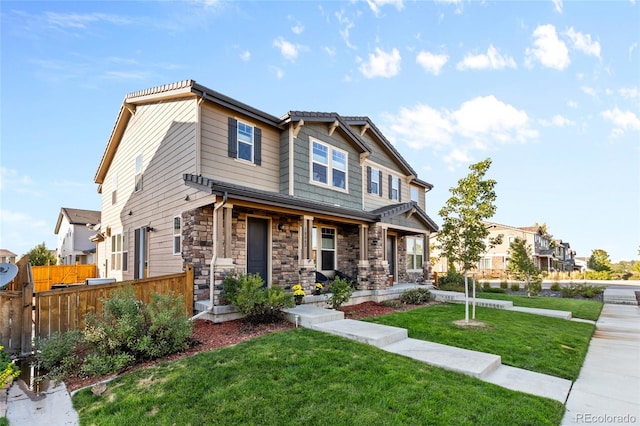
(52, 407)
(608, 388)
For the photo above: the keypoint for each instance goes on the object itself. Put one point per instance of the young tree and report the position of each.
(522, 267)
(41, 256)
(463, 234)
(599, 261)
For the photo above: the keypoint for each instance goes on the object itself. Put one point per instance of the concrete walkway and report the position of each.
(52, 407)
(608, 388)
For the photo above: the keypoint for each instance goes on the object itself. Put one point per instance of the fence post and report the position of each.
(189, 289)
(27, 314)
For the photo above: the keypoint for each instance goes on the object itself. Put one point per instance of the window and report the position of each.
(125, 251)
(327, 248)
(485, 263)
(116, 252)
(394, 188)
(245, 141)
(114, 189)
(415, 253)
(177, 235)
(415, 194)
(511, 239)
(328, 165)
(374, 177)
(138, 178)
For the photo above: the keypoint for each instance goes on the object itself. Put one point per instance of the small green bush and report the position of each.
(100, 364)
(515, 287)
(493, 290)
(257, 303)
(555, 286)
(416, 296)
(393, 303)
(61, 354)
(486, 285)
(570, 291)
(452, 279)
(504, 284)
(169, 328)
(340, 292)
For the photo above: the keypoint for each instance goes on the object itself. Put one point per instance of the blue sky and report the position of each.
(549, 90)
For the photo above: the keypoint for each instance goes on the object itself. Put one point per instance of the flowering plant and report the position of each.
(319, 287)
(297, 291)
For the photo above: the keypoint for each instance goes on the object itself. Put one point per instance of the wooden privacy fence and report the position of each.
(45, 276)
(16, 311)
(64, 309)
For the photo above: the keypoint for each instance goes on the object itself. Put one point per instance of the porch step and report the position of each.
(471, 363)
(620, 296)
(309, 315)
(377, 335)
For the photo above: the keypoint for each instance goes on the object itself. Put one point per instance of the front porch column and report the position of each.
(307, 272)
(378, 266)
(363, 262)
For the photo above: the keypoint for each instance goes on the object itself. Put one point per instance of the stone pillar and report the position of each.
(307, 275)
(222, 269)
(197, 247)
(378, 266)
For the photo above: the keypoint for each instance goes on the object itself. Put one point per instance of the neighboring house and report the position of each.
(74, 229)
(493, 263)
(563, 257)
(192, 176)
(7, 256)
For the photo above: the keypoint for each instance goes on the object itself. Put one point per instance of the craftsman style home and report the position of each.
(191, 176)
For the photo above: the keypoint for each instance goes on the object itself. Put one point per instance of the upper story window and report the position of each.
(328, 165)
(374, 179)
(245, 141)
(394, 188)
(415, 194)
(114, 189)
(138, 174)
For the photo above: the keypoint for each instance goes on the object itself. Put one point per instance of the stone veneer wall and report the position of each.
(378, 267)
(197, 247)
(348, 246)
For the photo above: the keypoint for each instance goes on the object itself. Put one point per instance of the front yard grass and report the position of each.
(546, 345)
(306, 377)
(585, 309)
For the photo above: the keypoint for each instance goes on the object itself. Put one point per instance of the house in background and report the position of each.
(7, 256)
(74, 230)
(563, 256)
(192, 176)
(493, 264)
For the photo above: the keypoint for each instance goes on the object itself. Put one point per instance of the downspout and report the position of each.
(212, 278)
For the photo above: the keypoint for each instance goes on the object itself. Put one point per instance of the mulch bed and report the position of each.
(208, 335)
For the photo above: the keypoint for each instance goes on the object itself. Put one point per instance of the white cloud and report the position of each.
(478, 125)
(245, 56)
(583, 42)
(558, 121)
(629, 92)
(548, 49)
(632, 48)
(572, 104)
(347, 26)
(287, 49)
(431, 62)
(278, 72)
(376, 5)
(456, 3)
(297, 29)
(589, 91)
(381, 64)
(623, 120)
(492, 60)
(329, 50)
(81, 20)
(558, 5)
(11, 180)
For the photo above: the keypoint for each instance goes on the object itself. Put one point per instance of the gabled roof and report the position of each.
(7, 253)
(78, 217)
(388, 212)
(326, 117)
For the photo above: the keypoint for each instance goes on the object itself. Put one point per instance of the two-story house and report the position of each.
(74, 230)
(190, 175)
(563, 256)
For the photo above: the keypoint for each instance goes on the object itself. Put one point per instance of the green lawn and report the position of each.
(546, 345)
(302, 377)
(585, 309)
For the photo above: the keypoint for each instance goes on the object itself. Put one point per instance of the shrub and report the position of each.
(590, 291)
(515, 287)
(570, 291)
(453, 279)
(100, 364)
(486, 285)
(393, 303)
(598, 275)
(8, 370)
(61, 354)
(257, 303)
(493, 290)
(169, 328)
(504, 284)
(416, 296)
(340, 292)
(555, 287)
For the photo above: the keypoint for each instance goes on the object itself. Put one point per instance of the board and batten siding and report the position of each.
(304, 188)
(216, 163)
(164, 134)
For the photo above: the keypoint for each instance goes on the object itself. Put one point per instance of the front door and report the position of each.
(257, 247)
(391, 254)
(141, 253)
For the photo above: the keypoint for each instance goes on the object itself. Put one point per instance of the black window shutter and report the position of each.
(368, 179)
(380, 183)
(233, 137)
(257, 146)
(390, 186)
(399, 191)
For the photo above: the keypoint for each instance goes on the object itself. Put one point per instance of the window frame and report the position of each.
(331, 167)
(318, 250)
(177, 243)
(375, 179)
(394, 186)
(250, 143)
(415, 194)
(413, 254)
(114, 189)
